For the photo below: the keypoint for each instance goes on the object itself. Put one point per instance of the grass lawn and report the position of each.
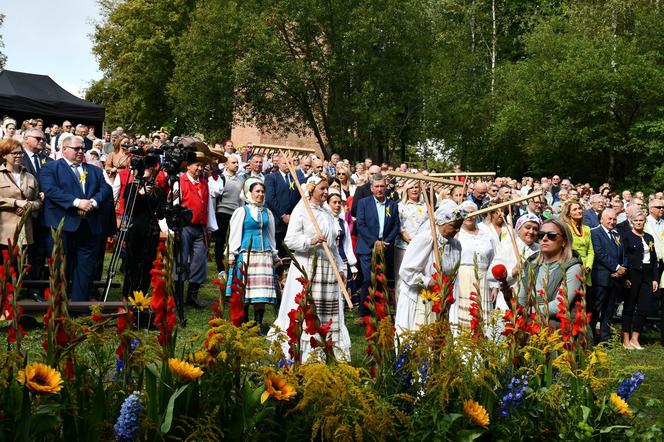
(621, 362)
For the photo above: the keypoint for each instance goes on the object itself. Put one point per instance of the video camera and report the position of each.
(177, 155)
(142, 159)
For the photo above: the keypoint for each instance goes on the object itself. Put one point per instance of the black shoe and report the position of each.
(192, 296)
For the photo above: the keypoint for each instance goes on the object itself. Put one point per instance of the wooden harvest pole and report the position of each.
(264, 148)
(427, 178)
(506, 204)
(466, 174)
(342, 284)
(510, 230)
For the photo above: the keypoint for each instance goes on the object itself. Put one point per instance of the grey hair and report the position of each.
(376, 177)
(66, 140)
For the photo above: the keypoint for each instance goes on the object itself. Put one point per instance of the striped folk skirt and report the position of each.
(261, 279)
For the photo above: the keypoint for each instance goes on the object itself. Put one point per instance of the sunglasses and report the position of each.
(37, 138)
(126, 145)
(17, 154)
(551, 236)
(658, 207)
(77, 149)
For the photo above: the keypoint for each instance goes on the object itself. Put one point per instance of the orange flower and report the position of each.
(40, 378)
(476, 413)
(278, 388)
(184, 370)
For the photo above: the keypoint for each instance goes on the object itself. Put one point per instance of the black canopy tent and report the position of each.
(24, 96)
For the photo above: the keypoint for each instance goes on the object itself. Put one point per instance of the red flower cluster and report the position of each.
(296, 318)
(376, 303)
(444, 288)
(218, 306)
(8, 306)
(236, 306)
(55, 318)
(125, 320)
(476, 316)
(518, 322)
(162, 304)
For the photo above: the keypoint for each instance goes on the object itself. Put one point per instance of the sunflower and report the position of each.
(476, 413)
(184, 370)
(428, 295)
(278, 388)
(41, 378)
(620, 405)
(140, 301)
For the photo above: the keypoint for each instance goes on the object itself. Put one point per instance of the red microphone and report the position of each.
(499, 272)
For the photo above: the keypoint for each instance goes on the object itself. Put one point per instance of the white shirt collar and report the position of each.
(192, 179)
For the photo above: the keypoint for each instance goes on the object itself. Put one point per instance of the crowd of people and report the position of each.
(248, 204)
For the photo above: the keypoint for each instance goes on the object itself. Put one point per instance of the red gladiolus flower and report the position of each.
(315, 343)
(324, 329)
(236, 309)
(69, 369)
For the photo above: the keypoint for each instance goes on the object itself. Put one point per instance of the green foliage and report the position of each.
(3, 57)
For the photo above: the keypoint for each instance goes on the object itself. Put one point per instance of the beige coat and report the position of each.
(9, 193)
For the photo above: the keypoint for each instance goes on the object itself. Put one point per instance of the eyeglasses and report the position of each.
(77, 149)
(341, 174)
(551, 236)
(36, 138)
(126, 145)
(658, 207)
(67, 127)
(17, 154)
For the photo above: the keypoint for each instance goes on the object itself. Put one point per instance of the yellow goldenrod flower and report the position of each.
(184, 370)
(476, 413)
(40, 378)
(278, 388)
(620, 405)
(140, 301)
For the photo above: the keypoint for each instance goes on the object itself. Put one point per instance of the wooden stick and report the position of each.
(428, 200)
(290, 149)
(427, 178)
(326, 249)
(466, 174)
(510, 230)
(506, 204)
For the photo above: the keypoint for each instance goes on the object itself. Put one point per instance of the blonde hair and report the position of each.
(567, 253)
(567, 208)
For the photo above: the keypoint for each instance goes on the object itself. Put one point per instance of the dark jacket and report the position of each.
(608, 256)
(634, 253)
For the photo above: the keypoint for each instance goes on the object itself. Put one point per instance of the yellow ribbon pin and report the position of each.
(290, 185)
(84, 176)
(387, 211)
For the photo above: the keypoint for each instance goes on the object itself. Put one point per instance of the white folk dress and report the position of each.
(474, 247)
(325, 288)
(416, 271)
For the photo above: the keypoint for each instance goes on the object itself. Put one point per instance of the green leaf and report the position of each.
(614, 427)
(468, 435)
(168, 418)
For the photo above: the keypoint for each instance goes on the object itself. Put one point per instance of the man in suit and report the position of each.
(591, 216)
(607, 272)
(364, 190)
(34, 159)
(377, 226)
(74, 191)
(281, 197)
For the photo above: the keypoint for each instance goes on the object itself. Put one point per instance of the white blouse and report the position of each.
(476, 245)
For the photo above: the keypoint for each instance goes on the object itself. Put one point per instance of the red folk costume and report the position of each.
(195, 196)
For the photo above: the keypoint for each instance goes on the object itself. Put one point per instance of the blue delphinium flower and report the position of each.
(284, 363)
(133, 344)
(128, 422)
(516, 391)
(423, 370)
(119, 366)
(629, 385)
(403, 376)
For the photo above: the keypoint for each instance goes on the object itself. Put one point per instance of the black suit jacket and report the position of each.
(634, 253)
(27, 163)
(280, 198)
(361, 192)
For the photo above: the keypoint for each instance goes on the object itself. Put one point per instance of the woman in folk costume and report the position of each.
(417, 267)
(526, 230)
(251, 239)
(305, 243)
(412, 213)
(476, 248)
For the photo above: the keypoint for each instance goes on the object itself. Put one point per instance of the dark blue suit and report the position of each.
(590, 218)
(40, 234)
(281, 198)
(81, 236)
(609, 254)
(367, 229)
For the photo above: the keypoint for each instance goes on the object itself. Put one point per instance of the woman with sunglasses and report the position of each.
(119, 158)
(555, 266)
(19, 192)
(526, 230)
(642, 278)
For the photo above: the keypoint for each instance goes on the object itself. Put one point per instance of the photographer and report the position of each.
(143, 233)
